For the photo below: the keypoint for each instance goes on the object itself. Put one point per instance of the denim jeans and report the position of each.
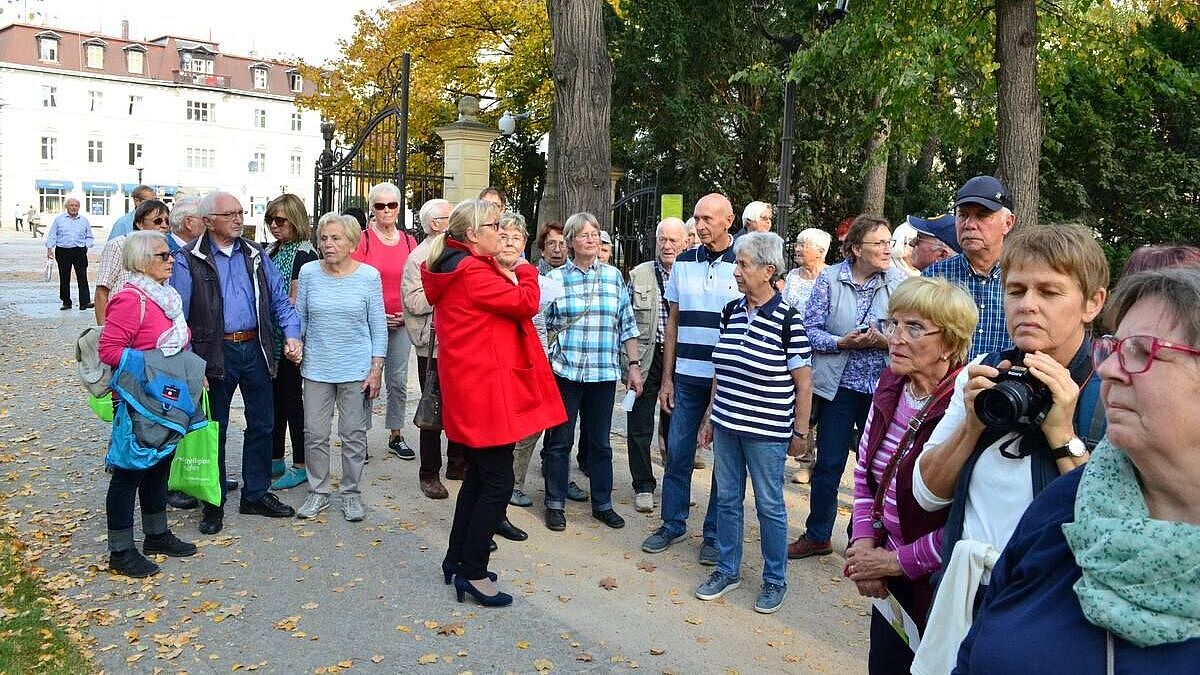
(246, 369)
(737, 455)
(592, 403)
(841, 421)
(691, 400)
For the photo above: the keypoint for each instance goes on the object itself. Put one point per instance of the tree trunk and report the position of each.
(929, 150)
(582, 75)
(550, 208)
(1018, 109)
(875, 180)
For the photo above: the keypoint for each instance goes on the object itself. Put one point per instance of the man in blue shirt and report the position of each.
(124, 224)
(983, 217)
(232, 296)
(67, 242)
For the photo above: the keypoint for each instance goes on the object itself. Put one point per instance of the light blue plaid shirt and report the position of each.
(593, 318)
(991, 335)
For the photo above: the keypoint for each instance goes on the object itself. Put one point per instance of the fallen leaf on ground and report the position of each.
(427, 659)
(647, 566)
(608, 583)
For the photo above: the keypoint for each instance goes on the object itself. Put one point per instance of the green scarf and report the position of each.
(283, 256)
(1141, 576)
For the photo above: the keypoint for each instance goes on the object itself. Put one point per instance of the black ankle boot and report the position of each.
(169, 544)
(130, 563)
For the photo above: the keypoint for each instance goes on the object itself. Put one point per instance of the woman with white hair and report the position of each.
(812, 244)
(386, 247)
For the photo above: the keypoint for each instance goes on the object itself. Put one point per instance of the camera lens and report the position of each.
(1004, 405)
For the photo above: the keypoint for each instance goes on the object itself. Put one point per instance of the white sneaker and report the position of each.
(352, 507)
(643, 502)
(314, 504)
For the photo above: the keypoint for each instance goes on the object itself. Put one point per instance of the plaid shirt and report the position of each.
(112, 274)
(592, 319)
(664, 307)
(991, 335)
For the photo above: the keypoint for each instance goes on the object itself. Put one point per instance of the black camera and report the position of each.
(1019, 401)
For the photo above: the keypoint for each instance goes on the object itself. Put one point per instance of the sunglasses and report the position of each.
(158, 221)
(391, 206)
(164, 256)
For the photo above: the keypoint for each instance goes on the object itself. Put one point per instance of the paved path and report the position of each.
(323, 596)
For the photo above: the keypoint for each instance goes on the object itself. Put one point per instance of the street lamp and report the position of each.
(508, 122)
(139, 169)
(791, 44)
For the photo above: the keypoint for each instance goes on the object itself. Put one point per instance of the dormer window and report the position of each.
(295, 82)
(48, 47)
(259, 75)
(135, 59)
(94, 54)
(196, 63)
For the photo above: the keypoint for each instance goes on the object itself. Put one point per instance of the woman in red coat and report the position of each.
(496, 384)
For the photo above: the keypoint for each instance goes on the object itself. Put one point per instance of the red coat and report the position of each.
(497, 386)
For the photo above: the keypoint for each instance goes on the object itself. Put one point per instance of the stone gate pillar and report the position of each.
(468, 152)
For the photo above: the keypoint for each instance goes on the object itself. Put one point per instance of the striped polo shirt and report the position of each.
(701, 285)
(756, 395)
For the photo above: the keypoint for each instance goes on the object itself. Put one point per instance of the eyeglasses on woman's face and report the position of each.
(163, 256)
(278, 221)
(910, 331)
(1135, 353)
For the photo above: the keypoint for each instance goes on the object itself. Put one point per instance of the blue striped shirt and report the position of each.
(701, 287)
(991, 334)
(756, 395)
(592, 319)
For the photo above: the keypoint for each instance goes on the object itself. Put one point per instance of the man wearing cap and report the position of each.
(935, 240)
(606, 247)
(982, 217)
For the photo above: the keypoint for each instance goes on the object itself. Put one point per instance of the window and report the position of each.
(260, 118)
(52, 200)
(135, 153)
(135, 61)
(49, 148)
(95, 100)
(201, 158)
(260, 77)
(295, 82)
(95, 151)
(95, 203)
(297, 120)
(197, 64)
(48, 49)
(199, 111)
(259, 165)
(295, 162)
(95, 56)
(49, 96)
(135, 104)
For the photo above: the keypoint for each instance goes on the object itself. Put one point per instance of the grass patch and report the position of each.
(30, 638)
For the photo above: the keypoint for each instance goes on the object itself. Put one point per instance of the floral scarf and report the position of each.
(1141, 576)
(284, 257)
(175, 338)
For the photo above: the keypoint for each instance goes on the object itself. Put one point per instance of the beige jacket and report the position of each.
(418, 313)
(645, 298)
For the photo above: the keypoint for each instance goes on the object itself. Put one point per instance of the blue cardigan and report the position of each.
(1031, 622)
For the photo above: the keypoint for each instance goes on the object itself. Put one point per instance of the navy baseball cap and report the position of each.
(939, 227)
(987, 191)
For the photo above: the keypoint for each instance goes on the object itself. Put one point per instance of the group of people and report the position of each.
(965, 390)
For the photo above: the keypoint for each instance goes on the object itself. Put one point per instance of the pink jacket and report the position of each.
(123, 327)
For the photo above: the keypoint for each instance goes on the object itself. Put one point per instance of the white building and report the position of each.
(92, 116)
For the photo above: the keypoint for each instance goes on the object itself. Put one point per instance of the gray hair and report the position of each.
(689, 226)
(382, 188)
(426, 213)
(1178, 288)
(138, 249)
(208, 203)
(763, 248)
(575, 225)
(817, 237)
(183, 207)
(349, 226)
(510, 220)
(754, 211)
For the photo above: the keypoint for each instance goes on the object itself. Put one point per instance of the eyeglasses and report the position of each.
(440, 218)
(1136, 353)
(588, 235)
(277, 220)
(556, 244)
(163, 256)
(909, 330)
(511, 238)
(495, 226)
(390, 206)
(881, 242)
(230, 214)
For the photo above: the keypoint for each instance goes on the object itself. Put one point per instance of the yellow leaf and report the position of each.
(427, 659)
(523, 644)
(348, 663)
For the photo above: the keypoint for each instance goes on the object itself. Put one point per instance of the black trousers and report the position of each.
(889, 654)
(481, 505)
(639, 423)
(125, 485)
(431, 441)
(288, 388)
(72, 258)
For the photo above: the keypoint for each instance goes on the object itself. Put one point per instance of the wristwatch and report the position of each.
(1073, 448)
(635, 362)
(801, 436)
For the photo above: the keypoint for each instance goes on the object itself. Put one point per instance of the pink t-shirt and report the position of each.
(125, 327)
(389, 260)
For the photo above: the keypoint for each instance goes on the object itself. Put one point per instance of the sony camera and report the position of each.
(1019, 401)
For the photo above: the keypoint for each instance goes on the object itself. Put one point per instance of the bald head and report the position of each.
(714, 216)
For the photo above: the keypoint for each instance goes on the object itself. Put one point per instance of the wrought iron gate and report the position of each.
(634, 218)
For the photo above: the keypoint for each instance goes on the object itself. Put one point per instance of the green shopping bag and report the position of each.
(102, 406)
(194, 469)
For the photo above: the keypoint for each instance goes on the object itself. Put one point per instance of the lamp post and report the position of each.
(139, 168)
(791, 44)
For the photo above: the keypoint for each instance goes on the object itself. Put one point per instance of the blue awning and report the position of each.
(43, 184)
(107, 188)
(128, 188)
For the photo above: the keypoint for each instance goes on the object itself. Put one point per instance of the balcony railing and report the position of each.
(202, 80)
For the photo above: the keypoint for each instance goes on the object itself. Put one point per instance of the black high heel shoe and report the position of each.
(464, 587)
(450, 569)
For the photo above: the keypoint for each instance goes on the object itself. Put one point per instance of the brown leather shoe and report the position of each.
(456, 470)
(433, 488)
(805, 547)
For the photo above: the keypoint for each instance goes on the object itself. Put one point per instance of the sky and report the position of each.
(309, 29)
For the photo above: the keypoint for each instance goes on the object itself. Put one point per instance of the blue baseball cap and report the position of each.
(987, 191)
(940, 227)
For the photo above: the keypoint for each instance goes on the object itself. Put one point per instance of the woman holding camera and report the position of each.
(1043, 416)
(1101, 570)
(848, 356)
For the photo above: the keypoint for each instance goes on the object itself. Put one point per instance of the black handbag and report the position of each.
(428, 416)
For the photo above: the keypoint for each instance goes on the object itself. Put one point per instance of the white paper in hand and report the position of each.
(552, 290)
